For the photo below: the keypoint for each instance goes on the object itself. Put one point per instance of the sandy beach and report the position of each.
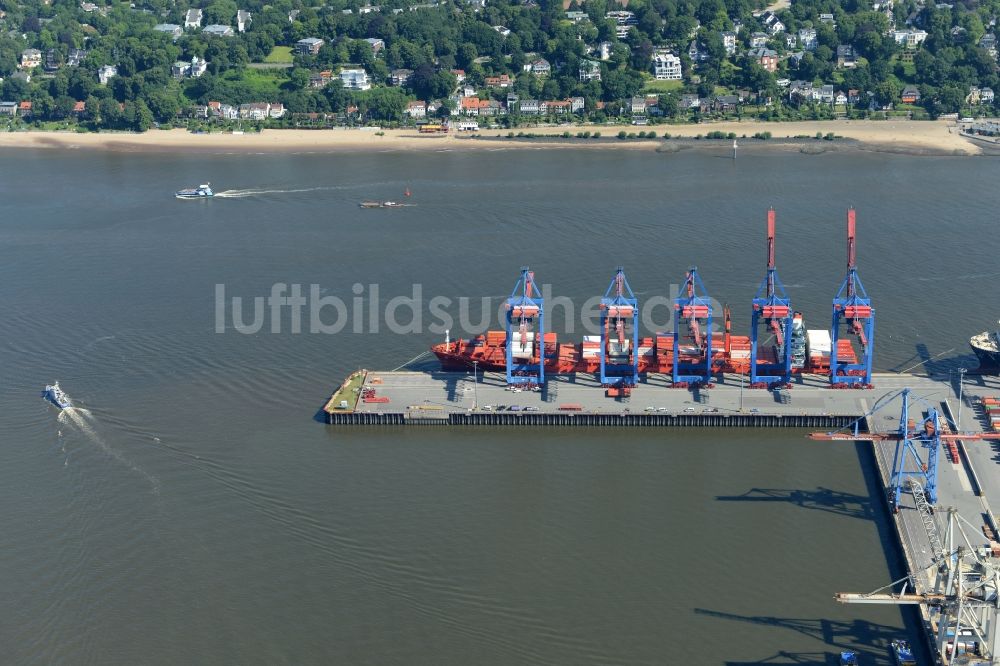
(910, 137)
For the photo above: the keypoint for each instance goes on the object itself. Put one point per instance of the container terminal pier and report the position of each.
(934, 439)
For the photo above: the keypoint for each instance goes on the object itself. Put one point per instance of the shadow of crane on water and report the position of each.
(866, 637)
(821, 499)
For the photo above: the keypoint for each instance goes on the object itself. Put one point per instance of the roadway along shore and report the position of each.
(901, 136)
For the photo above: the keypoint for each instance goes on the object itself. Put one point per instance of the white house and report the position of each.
(729, 42)
(666, 66)
(416, 110)
(807, 39)
(171, 29)
(355, 79)
(589, 71)
(106, 73)
(243, 19)
(218, 30)
(192, 19)
(910, 37)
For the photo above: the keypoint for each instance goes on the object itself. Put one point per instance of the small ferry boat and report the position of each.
(201, 192)
(848, 658)
(381, 204)
(903, 653)
(55, 395)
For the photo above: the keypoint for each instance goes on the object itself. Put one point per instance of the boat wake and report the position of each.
(82, 421)
(243, 194)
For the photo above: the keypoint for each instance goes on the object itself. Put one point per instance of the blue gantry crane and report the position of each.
(918, 445)
(692, 362)
(852, 308)
(525, 333)
(619, 339)
(771, 307)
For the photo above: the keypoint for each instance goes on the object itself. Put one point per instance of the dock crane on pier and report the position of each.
(693, 312)
(960, 592)
(853, 308)
(772, 307)
(619, 353)
(525, 333)
(915, 460)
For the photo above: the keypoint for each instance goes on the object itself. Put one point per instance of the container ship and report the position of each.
(986, 346)
(730, 353)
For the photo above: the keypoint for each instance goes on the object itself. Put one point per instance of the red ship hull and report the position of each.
(730, 353)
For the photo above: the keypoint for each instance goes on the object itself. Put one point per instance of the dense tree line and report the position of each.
(440, 37)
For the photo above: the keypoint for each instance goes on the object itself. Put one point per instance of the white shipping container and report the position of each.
(818, 341)
(592, 338)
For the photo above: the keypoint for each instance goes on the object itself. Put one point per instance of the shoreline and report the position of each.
(930, 138)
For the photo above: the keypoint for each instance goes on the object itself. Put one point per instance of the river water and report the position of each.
(193, 510)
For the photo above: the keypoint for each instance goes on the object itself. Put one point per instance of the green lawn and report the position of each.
(655, 85)
(279, 54)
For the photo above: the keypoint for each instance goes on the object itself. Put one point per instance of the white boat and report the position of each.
(55, 395)
(203, 191)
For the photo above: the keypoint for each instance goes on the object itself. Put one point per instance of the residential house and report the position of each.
(53, 60)
(502, 81)
(605, 49)
(576, 105)
(840, 99)
(8, 108)
(827, 94)
(529, 107)
(30, 59)
(355, 79)
(725, 103)
(986, 95)
(559, 107)
(255, 111)
(276, 110)
(846, 57)
(214, 107)
(106, 73)
(637, 106)
(320, 79)
(229, 112)
(910, 38)
(180, 70)
(791, 41)
(400, 77)
(666, 66)
(171, 29)
(807, 39)
(988, 43)
(978, 96)
(576, 17)
(459, 75)
(472, 106)
(416, 109)
(828, 18)
(24, 109)
(766, 58)
(294, 14)
(75, 57)
(758, 40)
(795, 59)
(772, 23)
(590, 70)
(853, 96)
(198, 111)
(910, 95)
(729, 42)
(800, 91)
(309, 46)
(687, 102)
(79, 107)
(697, 52)
(504, 31)
(243, 19)
(376, 44)
(217, 30)
(192, 19)
(540, 67)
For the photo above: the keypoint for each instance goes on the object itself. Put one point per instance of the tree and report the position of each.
(427, 83)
